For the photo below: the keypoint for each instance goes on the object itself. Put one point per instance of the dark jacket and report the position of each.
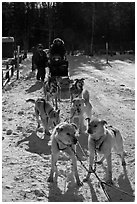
(57, 50)
(40, 59)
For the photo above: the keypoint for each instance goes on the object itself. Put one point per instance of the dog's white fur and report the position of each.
(49, 116)
(104, 139)
(81, 108)
(63, 139)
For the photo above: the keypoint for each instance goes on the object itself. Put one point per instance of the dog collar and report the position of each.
(96, 143)
(59, 141)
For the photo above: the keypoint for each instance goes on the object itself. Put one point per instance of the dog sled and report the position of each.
(58, 69)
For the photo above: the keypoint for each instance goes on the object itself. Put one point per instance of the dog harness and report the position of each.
(96, 144)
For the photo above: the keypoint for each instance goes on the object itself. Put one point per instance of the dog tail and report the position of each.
(30, 100)
(86, 96)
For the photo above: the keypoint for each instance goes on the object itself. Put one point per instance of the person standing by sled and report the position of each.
(57, 58)
(41, 62)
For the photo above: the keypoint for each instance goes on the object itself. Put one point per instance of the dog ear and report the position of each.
(76, 80)
(82, 79)
(75, 126)
(59, 129)
(73, 100)
(104, 122)
(88, 119)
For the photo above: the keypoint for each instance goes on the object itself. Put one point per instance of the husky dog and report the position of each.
(51, 91)
(76, 88)
(49, 116)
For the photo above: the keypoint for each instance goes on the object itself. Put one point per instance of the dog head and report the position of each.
(54, 118)
(96, 127)
(78, 105)
(79, 83)
(51, 86)
(66, 133)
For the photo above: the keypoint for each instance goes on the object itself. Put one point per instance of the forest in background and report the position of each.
(82, 25)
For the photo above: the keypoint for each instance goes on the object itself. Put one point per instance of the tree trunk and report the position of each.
(92, 34)
(49, 23)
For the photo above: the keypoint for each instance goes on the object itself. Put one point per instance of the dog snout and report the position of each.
(78, 110)
(90, 131)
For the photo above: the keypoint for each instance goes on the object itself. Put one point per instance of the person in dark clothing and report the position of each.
(34, 49)
(40, 62)
(57, 49)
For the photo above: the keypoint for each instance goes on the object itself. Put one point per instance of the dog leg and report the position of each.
(122, 159)
(37, 117)
(74, 161)
(91, 159)
(81, 125)
(20, 141)
(91, 148)
(47, 97)
(74, 166)
(71, 98)
(56, 103)
(109, 169)
(59, 95)
(54, 158)
(45, 124)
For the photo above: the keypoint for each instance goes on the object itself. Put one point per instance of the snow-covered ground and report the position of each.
(25, 168)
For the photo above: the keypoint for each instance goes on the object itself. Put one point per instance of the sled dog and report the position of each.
(63, 139)
(51, 90)
(76, 88)
(81, 108)
(49, 116)
(103, 138)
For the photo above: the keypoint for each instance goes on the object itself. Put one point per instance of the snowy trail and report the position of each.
(25, 168)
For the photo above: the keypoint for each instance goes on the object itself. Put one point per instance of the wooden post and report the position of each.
(107, 52)
(2, 78)
(18, 51)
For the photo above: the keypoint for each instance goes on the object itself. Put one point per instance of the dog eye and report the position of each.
(68, 134)
(95, 126)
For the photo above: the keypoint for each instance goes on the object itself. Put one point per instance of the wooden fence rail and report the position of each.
(9, 65)
(7, 73)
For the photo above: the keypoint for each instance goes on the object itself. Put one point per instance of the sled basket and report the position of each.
(59, 70)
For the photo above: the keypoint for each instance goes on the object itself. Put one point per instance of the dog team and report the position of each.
(101, 137)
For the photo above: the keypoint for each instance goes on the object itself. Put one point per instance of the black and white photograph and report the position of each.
(68, 101)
